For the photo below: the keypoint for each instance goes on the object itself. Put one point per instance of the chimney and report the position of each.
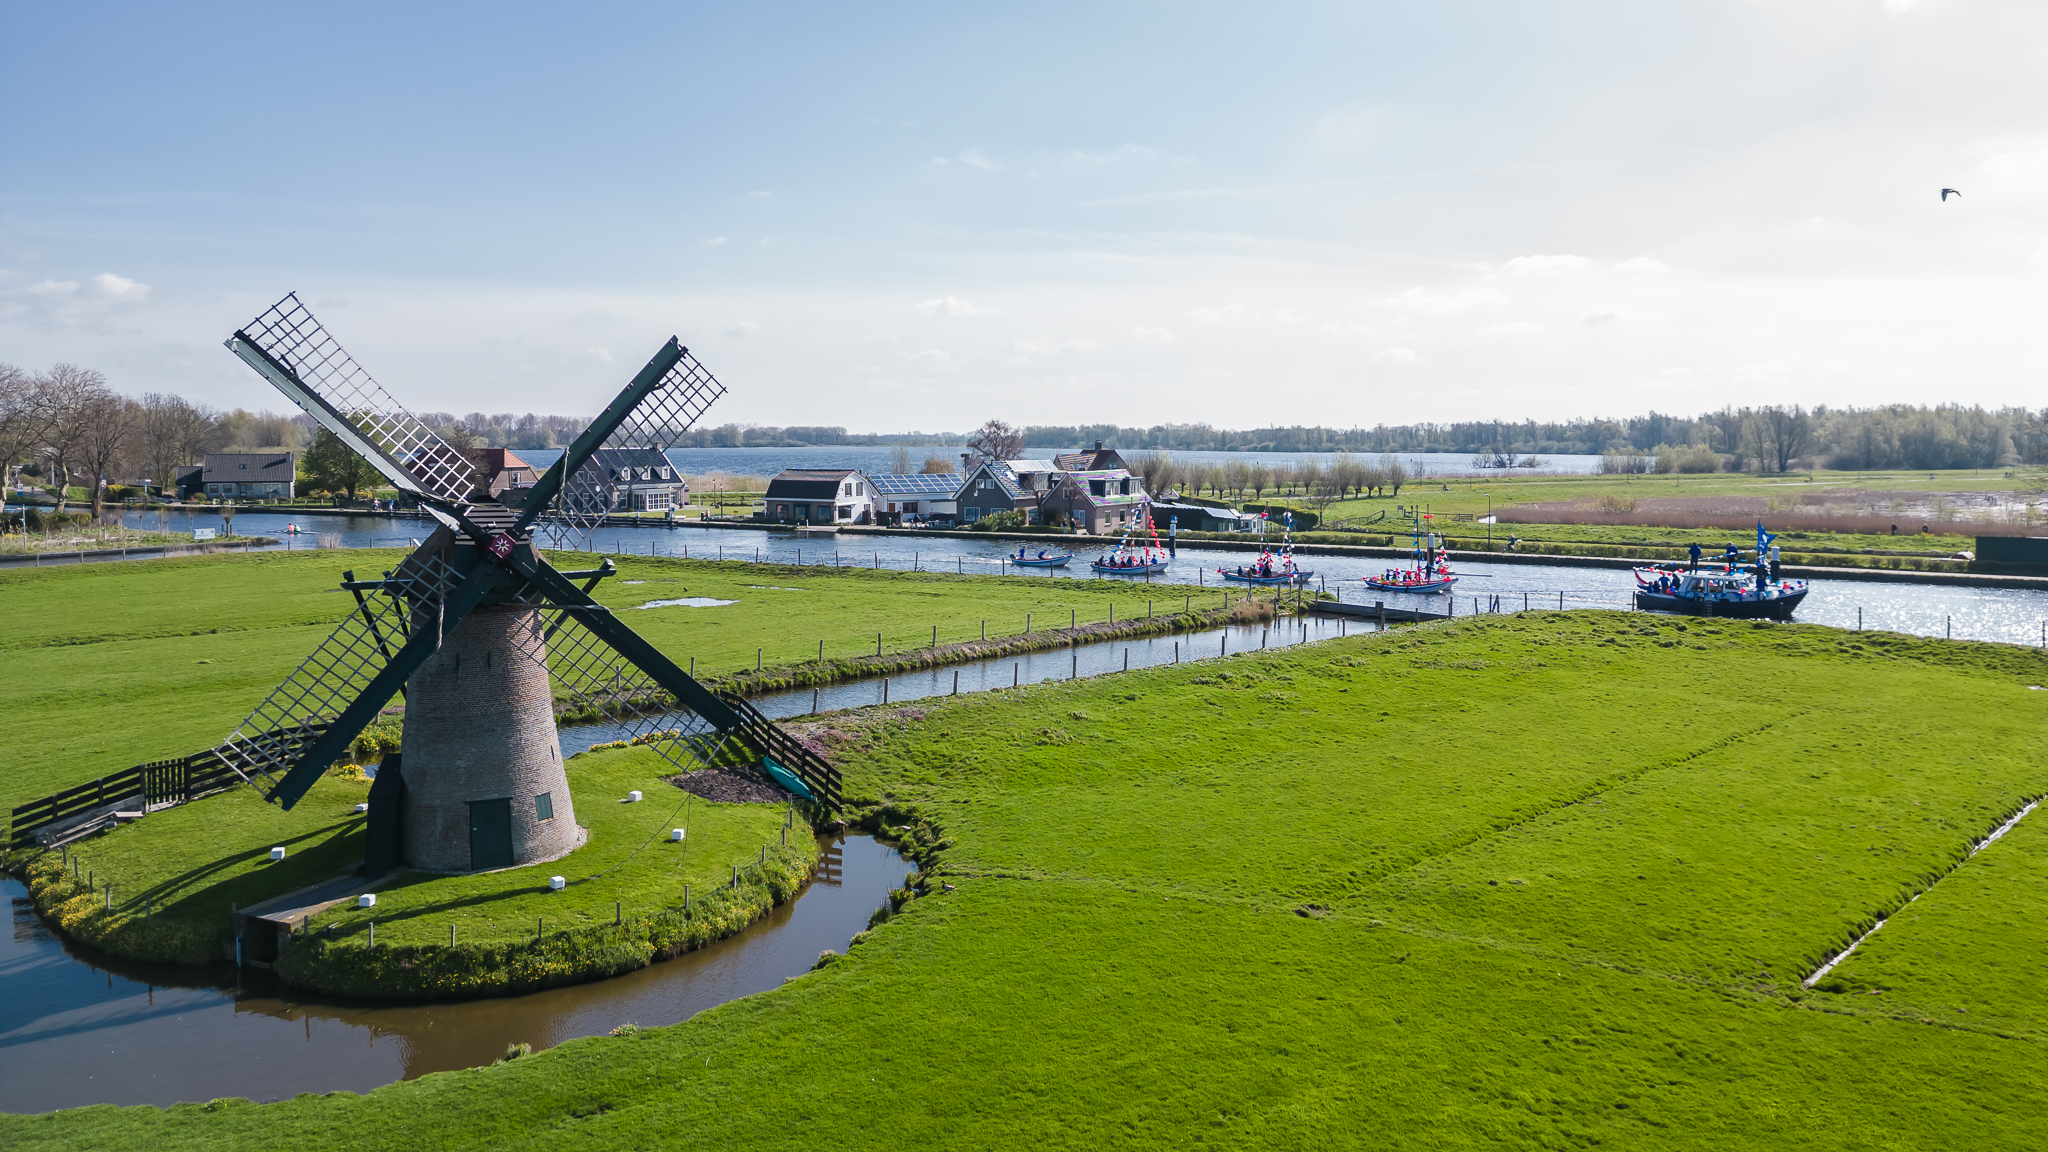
(964, 458)
(1098, 445)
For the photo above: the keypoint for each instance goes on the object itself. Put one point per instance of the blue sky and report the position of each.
(908, 216)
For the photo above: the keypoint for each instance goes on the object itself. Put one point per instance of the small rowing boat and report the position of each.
(1044, 559)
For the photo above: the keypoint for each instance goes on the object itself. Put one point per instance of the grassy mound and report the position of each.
(1547, 880)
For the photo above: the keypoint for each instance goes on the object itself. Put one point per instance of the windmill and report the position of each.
(481, 634)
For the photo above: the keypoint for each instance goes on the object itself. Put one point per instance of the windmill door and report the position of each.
(490, 834)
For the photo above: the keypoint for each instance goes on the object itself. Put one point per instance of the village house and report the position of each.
(922, 496)
(506, 471)
(242, 476)
(1094, 492)
(820, 496)
(625, 480)
(990, 487)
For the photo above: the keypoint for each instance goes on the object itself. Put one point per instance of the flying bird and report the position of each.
(1948, 192)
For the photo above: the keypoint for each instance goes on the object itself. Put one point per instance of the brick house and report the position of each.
(506, 470)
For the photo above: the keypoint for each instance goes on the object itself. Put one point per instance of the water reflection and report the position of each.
(78, 1028)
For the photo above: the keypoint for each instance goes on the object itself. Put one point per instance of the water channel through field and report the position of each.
(2012, 616)
(79, 1028)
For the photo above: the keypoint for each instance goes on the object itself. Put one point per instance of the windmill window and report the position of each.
(544, 807)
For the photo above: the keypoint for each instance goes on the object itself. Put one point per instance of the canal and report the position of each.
(2012, 616)
(80, 1028)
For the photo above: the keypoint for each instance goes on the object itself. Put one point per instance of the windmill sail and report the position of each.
(656, 420)
(291, 348)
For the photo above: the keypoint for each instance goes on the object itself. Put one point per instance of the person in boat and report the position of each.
(1041, 553)
(1695, 550)
(1731, 557)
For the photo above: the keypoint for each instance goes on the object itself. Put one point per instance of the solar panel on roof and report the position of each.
(920, 483)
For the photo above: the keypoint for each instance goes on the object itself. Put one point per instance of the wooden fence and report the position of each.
(158, 784)
(769, 739)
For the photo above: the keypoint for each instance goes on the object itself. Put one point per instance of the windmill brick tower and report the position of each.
(483, 636)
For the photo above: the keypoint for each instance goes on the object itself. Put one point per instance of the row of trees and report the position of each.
(1320, 481)
(1892, 436)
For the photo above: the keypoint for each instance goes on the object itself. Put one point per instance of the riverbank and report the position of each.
(1457, 884)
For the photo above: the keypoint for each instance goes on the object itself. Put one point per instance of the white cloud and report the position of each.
(1040, 346)
(930, 356)
(762, 195)
(1217, 315)
(54, 288)
(1642, 264)
(1288, 316)
(1155, 335)
(1397, 356)
(601, 355)
(108, 284)
(743, 328)
(1127, 152)
(1511, 328)
(952, 307)
(973, 156)
(1613, 313)
(1557, 265)
(1434, 301)
(714, 242)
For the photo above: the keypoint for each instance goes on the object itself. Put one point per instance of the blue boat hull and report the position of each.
(1775, 608)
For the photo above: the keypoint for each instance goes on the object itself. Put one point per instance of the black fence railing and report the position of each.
(157, 784)
(769, 739)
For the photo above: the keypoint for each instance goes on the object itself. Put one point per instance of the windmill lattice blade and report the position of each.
(279, 732)
(686, 391)
(290, 334)
(597, 685)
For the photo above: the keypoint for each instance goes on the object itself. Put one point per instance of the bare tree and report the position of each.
(69, 393)
(936, 464)
(1780, 434)
(1396, 472)
(899, 461)
(24, 415)
(106, 440)
(996, 440)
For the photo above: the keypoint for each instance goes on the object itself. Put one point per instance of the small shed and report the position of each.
(2012, 555)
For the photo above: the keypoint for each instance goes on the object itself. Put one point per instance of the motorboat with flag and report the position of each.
(1043, 559)
(1737, 590)
(1271, 568)
(1428, 571)
(1148, 559)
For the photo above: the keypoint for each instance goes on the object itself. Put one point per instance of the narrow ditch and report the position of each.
(1979, 846)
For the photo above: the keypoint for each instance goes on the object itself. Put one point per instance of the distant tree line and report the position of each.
(1773, 438)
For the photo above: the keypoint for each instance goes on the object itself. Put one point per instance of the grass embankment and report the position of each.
(1547, 880)
(176, 876)
(1477, 496)
(111, 666)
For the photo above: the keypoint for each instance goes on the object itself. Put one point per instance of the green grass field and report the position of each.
(112, 665)
(1550, 880)
(195, 862)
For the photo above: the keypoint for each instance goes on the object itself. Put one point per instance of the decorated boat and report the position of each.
(1044, 559)
(1742, 590)
(1428, 571)
(1271, 568)
(1125, 559)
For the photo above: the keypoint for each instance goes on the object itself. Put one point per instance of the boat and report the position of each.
(1042, 560)
(1124, 560)
(1271, 568)
(1430, 571)
(1727, 590)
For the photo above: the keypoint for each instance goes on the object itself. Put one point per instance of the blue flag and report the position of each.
(1763, 541)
